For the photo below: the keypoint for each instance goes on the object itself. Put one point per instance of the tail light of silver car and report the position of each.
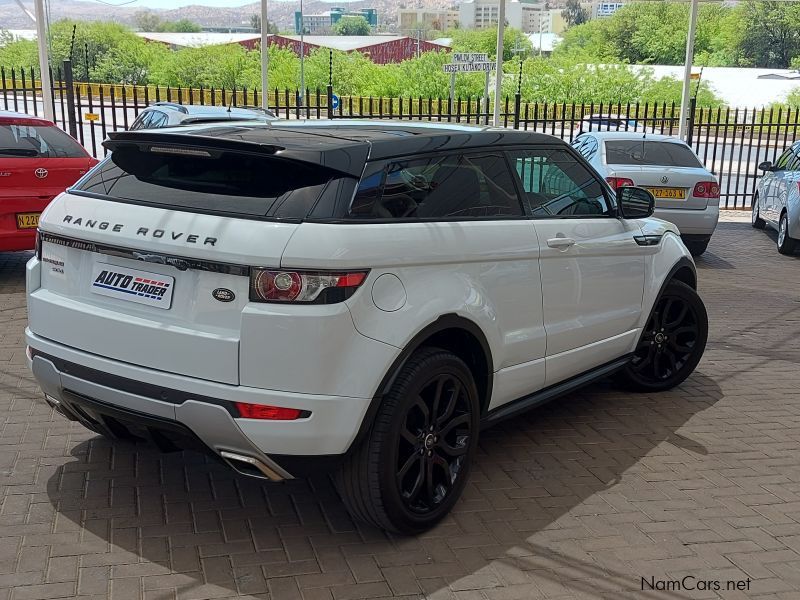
(310, 287)
(618, 182)
(706, 189)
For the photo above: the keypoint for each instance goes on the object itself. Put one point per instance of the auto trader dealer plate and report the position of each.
(132, 285)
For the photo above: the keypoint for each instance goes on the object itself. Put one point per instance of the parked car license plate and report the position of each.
(132, 285)
(669, 193)
(27, 220)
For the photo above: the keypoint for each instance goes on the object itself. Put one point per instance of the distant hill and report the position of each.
(282, 13)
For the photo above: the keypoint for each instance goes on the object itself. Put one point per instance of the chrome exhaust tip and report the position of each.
(237, 461)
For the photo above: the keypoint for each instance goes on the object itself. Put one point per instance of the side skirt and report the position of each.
(515, 407)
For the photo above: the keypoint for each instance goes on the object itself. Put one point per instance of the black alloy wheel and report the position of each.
(433, 444)
(672, 342)
(412, 466)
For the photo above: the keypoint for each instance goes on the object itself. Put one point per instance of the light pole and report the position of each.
(264, 56)
(302, 56)
(498, 78)
(541, 27)
(687, 71)
(44, 61)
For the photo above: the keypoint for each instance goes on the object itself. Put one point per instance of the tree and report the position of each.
(574, 13)
(771, 33)
(255, 23)
(146, 20)
(352, 26)
(5, 37)
(133, 61)
(180, 26)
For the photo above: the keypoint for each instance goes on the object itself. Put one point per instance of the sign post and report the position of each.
(468, 62)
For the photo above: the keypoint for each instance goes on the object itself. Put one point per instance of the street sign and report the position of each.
(694, 76)
(473, 67)
(334, 101)
(470, 57)
(91, 117)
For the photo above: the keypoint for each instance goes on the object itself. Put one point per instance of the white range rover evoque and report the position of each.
(359, 298)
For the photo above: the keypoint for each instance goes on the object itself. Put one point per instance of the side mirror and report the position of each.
(635, 202)
(765, 166)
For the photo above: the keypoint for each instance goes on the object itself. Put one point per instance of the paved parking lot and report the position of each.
(594, 496)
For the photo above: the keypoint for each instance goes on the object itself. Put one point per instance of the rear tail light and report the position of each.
(269, 285)
(269, 413)
(706, 189)
(618, 182)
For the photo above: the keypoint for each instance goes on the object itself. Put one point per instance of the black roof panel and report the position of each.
(341, 144)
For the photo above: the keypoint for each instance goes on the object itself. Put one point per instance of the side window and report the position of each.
(159, 120)
(452, 186)
(587, 146)
(794, 159)
(780, 164)
(558, 185)
(142, 121)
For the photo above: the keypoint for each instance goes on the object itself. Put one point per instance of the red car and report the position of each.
(38, 161)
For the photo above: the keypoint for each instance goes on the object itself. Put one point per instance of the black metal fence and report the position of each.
(731, 142)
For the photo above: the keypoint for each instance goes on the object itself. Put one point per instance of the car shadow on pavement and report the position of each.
(545, 486)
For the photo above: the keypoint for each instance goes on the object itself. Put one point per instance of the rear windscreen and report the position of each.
(230, 183)
(37, 141)
(643, 152)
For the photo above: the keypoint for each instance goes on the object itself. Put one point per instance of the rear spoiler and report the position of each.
(347, 158)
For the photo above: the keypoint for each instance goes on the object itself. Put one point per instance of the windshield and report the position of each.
(649, 152)
(229, 183)
(37, 141)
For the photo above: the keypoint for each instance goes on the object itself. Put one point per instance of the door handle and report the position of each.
(561, 243)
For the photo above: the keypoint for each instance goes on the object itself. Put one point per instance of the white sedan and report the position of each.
(777, 199)
(686, 193)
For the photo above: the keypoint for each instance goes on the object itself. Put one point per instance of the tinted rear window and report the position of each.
(643, 152)
(38, 141)
(231, 183)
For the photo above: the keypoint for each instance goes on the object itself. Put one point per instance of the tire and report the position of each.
(672, 343)
(384, 481)
(786, 244)
(756, 221)
(696, 248)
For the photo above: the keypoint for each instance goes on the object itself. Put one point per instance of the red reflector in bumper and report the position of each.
(269, 413)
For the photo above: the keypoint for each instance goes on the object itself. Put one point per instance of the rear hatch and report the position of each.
(37, 162)
(669, 169)
(147, 260)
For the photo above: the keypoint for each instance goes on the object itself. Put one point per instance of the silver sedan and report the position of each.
(687, 194)
(777, 199)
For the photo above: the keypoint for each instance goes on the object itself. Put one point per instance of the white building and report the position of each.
(528, 15)
(605, 9)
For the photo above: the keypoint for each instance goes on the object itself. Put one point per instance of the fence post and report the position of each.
(518, 97)
(69, 88)
(330, 84)
(691, 124)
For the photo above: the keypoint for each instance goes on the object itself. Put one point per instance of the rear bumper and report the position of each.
(691, 222)
(20, 239)
(102, 393)
(12, 238)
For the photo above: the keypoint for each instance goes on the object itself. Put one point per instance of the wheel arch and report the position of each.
(461, 336)
(684, 271)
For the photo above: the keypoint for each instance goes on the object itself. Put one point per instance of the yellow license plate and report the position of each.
(669, 193)
(27, 220)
